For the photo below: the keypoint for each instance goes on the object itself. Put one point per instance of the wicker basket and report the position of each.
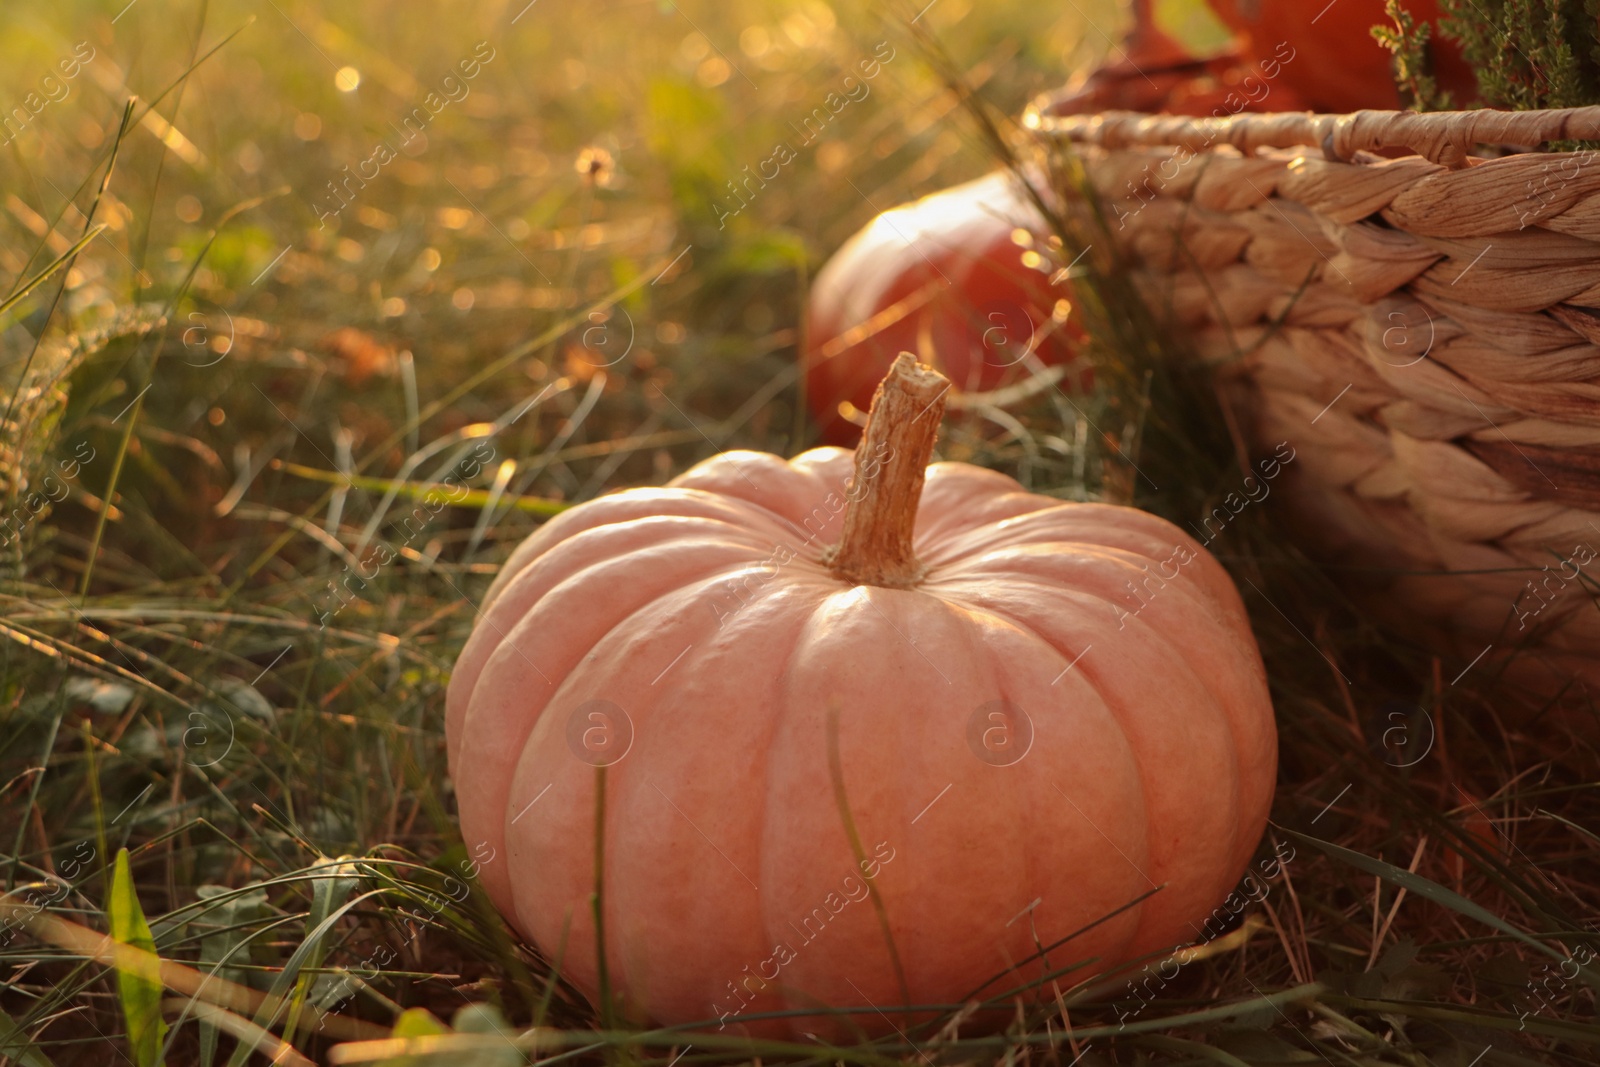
(1421, 327)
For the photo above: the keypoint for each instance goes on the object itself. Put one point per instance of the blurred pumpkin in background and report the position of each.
(955, 277)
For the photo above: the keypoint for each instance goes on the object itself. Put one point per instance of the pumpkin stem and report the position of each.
(891, 463)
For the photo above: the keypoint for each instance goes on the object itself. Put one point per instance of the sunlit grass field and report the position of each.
(290, 280)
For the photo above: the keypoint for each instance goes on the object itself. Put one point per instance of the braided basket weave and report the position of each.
(1420, 322)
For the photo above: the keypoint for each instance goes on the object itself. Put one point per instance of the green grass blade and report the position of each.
(1194, 1048)
(475, 499)
(138, 987)
(231, 916)
(842, 800)
(290, 972)
(327, 893)
(57, 264)
(15, 1045)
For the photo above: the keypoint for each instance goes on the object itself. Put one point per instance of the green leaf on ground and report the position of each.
(139, 981)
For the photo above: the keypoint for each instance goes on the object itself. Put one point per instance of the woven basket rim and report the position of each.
(1445, 137)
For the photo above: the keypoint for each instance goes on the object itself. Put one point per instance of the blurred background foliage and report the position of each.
(482, 232)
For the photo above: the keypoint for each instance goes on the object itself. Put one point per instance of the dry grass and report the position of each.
(183, 678)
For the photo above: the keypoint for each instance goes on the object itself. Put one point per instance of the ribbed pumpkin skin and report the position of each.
(1152, 759)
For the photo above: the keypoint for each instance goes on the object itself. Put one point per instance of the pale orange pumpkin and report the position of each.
(868, 729)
